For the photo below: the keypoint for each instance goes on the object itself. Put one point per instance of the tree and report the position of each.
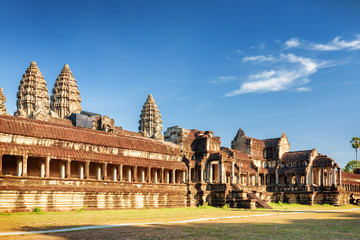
(350, 166)
(355, 143)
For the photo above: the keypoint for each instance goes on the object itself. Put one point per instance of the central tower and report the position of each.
(66, 96)
(150, 120)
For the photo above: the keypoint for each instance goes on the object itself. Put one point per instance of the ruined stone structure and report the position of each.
(2, 102)
(150, 120)
(85, 160)
(66, 96)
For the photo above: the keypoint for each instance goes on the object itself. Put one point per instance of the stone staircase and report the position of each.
(252, 196)
(259, 201)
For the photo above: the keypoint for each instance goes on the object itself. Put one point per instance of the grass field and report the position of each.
(288, 221)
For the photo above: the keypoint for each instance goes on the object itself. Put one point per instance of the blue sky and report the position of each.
(265, 66)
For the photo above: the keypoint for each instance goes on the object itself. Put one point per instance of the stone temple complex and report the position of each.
(56, 156)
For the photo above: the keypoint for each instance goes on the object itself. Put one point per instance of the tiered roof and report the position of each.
(66, 96)
(150, 120)
(2, 102)
(32, 96)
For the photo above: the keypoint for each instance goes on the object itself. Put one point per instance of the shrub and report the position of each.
(81, 209)
(37, 210)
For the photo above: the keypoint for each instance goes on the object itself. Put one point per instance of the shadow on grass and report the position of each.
(299, 226)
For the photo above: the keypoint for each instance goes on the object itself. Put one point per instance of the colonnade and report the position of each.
(45, 167)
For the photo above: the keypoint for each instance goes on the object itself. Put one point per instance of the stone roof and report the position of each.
(296, 156)
(323, 161)
(271, 142)
(350, 178)
(41, 129)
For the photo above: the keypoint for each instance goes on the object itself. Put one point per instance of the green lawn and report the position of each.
(284, 225)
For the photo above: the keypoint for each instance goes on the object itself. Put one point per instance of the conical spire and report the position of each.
(150, 120)
(2, 102)
(66, 96)
(32, 96)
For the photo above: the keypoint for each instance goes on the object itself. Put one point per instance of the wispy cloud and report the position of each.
(293, 73)
(259, 58)
(338, 44)
(293, 42)
(223, 79)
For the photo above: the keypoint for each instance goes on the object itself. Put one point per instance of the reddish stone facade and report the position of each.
(58, 165)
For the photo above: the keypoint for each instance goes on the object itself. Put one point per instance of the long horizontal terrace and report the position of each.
(48, 167)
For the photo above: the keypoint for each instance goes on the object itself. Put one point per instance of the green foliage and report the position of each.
(350, 166)
(225, 207)
(81, 209)
(205, 206)
(355, 142)
(37, 210)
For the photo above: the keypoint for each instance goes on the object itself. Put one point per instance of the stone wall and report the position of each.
(19, 194)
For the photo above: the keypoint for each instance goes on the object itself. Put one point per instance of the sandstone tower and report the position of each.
(32, 96)
(150, 120)
(2, 102)
(66, 96)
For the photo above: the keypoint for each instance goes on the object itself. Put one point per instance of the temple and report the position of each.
(56, 156)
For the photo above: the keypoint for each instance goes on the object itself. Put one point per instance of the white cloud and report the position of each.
(292, 74)
(259, 58)
(293, 42)
(223, 79)
(338, 44)
(262, 75)
(303, 89)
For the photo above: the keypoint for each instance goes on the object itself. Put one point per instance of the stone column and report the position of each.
(276, 177)
(232, 176)
(189, 174)
(62, 172)
(24, 165)
(129, 177)
(42, 168)
(220, 172)
(156, 175)
(211, 177)
(322, 177)
(173, 176)
(162, 175)
(184, 177)
(340, 179)
(257, 179)
(167, 176)
(19, 166)
(149, 175)
(47, 166)
(135, 173)
(329, 177)
(333, 176)
(239, 177)
(68, 169)
(114, 174)
(143, 175)
(120, 172)
(104, 171)
(98, 172)
(248, 179)
(1, 156)
(87, 169)
(81, 170)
